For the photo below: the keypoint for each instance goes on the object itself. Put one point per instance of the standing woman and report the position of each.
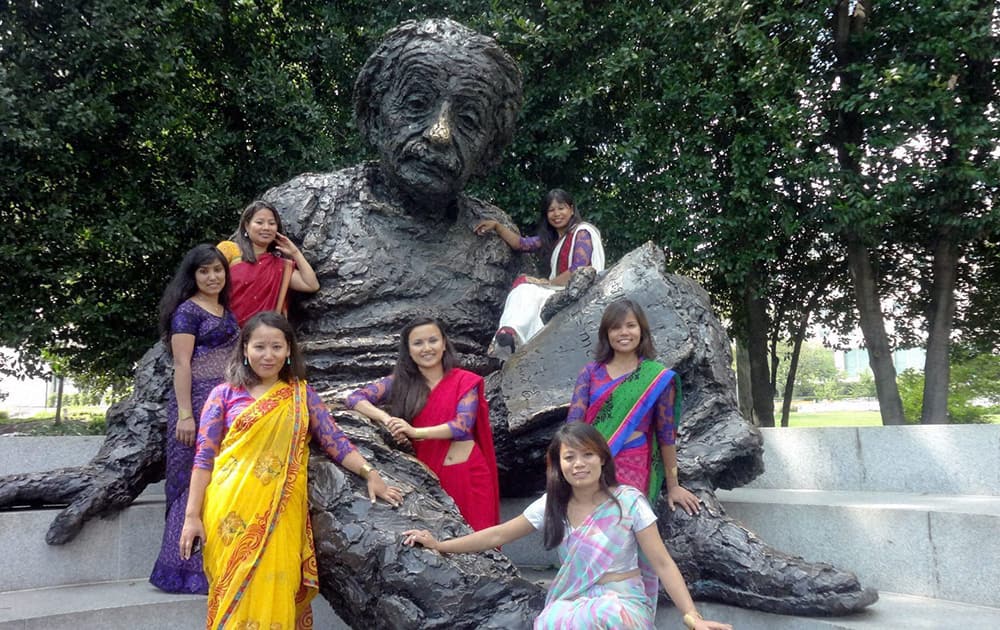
(248, 500)
(599, 528)
(567, 242)
(265, 264)
(635, 403)
(441, 408)
(199, 331)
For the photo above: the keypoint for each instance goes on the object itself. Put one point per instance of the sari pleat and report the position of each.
(259, 553)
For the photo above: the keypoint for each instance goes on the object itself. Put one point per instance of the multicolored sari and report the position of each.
(617, 412)
(259, 553)
(575, 599)
(472, 484)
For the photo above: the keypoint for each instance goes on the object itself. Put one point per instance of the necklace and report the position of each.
(212, 307)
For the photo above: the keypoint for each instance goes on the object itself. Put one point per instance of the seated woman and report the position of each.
(599, 528)
(634, 402)
(264, 264)
(566, 242)
(199, 331)
(448, 418)
(248, 501)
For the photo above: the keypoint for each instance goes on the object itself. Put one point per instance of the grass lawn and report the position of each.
(845, 419)
(76, 421)
(834, 419)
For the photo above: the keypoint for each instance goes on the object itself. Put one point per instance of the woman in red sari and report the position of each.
(264, 264)
(441, 409)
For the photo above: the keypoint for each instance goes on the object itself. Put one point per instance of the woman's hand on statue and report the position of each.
(420, 537)
(400, 429)
(185, 431)
(286, 246)
(377, 487)
(193, 530)
(679, 496)
(705, 624)
(489, 225)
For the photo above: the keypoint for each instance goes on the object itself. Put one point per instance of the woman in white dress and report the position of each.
(567, 242)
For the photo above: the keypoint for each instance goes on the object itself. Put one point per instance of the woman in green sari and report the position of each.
(635, 403)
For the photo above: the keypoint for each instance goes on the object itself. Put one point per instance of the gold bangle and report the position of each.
(672, 472)
(366, 470)
(421, 433)
(690, 618)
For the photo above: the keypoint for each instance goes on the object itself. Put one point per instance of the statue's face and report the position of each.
(436, 122)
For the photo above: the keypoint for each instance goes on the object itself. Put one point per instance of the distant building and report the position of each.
(855, 362)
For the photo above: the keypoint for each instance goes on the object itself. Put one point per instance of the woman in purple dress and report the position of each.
(200, 331)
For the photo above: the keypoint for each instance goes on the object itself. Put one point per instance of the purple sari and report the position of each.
(214, 340)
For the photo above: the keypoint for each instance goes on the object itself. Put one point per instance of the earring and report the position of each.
(245, 235)
(288, 360)
(245, 361)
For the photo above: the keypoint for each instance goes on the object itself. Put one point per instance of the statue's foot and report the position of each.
(725, 562)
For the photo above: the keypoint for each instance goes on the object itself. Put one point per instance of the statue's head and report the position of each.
(439, 101)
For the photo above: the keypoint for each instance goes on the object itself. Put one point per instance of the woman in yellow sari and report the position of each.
(247, 502)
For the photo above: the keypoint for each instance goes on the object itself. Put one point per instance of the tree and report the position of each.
(916, 135)
(133, 130)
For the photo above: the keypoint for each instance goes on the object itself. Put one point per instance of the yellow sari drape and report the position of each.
(259, 553)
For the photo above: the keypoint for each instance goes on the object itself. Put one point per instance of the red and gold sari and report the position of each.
(259, 553)
(257, 286)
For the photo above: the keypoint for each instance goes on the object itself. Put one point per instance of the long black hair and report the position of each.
(581, 436)
(240, 373)
(409, 387)
(242, 238)
(546, 232)
(614, 314)
(184, 285)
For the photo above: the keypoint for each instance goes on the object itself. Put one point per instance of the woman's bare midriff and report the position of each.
(458, 452)
(608, 578)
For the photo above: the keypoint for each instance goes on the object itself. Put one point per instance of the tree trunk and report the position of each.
(873, 329)
(847, 137)
(744, 394)
(937, 371)
(59, 396)
(760, 378)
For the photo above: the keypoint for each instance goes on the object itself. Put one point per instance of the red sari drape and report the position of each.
(257, 286)
(473, 483)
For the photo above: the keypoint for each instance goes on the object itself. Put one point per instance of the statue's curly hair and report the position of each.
(379, 73)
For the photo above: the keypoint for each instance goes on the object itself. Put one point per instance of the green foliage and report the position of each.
(973, 394)
(134, 129)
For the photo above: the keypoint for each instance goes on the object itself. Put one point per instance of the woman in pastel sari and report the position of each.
(567, 242)
(442, 410)
(200, 331)
(611, 552)
(635, 403)
(247, 504)
(265, 264)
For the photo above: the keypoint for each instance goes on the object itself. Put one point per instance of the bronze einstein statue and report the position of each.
(394, 239)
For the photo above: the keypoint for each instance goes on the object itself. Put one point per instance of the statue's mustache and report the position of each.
(419, 148)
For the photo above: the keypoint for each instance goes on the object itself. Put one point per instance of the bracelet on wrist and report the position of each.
(672, 473)
(690, 618)
(365, 470)
(420, 434)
